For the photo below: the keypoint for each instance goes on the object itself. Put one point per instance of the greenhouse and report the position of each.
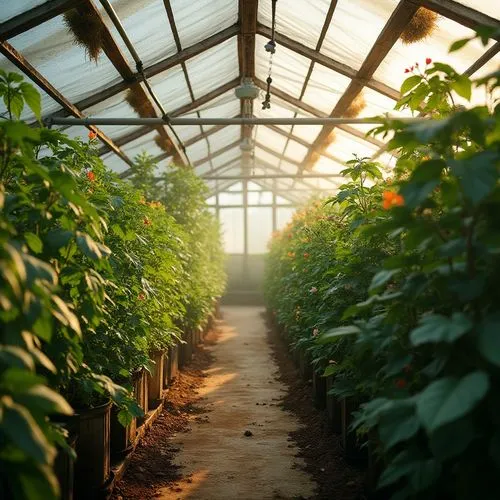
(249, 249)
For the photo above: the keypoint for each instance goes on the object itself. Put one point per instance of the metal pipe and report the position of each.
(271, 176)
(154, 122)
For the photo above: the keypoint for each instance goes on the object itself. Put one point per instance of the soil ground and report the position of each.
(224, 433)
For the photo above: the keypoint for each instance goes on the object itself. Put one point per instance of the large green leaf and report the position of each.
(452, 439)
(382, 277)
(489, 338)
(450, 398)
(20, 427)
(333, 334)
(398, 424)
(438, 328)
(32, 98)
(34, 242)
(45, 399)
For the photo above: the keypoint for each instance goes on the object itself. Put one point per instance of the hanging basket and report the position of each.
(165, 144)
(421, 26)
(356, 106)
(87, 30)
(139, 102)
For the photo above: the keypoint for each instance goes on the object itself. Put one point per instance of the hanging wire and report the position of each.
(140, 70)
(271, 48)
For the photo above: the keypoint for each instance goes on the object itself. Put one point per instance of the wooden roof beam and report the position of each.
(157, 68)
(34, 17)
(389, 35)
(22, 64)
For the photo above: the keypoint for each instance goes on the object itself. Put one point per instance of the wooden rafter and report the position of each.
(157, 68)
(18, 60)
(389, 35)
(34, 17)
(119, 61)
(466, 16)
(328, 62)
(485, 58)
(217, 153)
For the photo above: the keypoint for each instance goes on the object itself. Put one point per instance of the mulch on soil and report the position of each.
(151, 466)
(319, 447)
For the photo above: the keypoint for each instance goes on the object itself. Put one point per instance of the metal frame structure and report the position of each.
(245, 30)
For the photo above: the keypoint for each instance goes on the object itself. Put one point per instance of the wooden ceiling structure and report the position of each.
(246, 30)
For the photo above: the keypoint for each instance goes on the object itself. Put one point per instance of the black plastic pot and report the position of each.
(92, 466)
(333, 407)
(122, 438)
(155, 380)
(319, 391)
(353, 448)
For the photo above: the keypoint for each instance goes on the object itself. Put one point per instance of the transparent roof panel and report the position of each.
(171, 89)
(295, 151)
(198, 20)
(270, 139)
(145, 143)
(146, 24)
(346, 144)
(213, 67)
(12, 9)
(325, 88)
(289, 69)
(436, 46)
(197, 151)
(488, 7)
(114, 162)
(364, 19)
(49, 47)
(224, 137)
(261, 155)
(307, 132)
(226, 157)
(300, 20)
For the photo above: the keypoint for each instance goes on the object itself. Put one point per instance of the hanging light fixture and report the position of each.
(271, 49)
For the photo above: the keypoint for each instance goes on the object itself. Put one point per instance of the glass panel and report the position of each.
(142, 144)
(236, 187)
(289, 69)
(488, 7)
(282, 201)
(266, 157)
(11, 8)
(355, 27)
(114, 162)
(252, 186)
(213, 67)
(271, 139)
(226, 157)
(199, 20)
(260, 198)
(325, 88)
(346, 144)
(50, 49)
(229, 198)
(298, 19)
(260, 228)
(307, 132)
(295, 151)
(224, 137)
(197, 151)
(171, 89)
(283, 216)
(232, 229)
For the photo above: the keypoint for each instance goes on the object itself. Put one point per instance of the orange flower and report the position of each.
(146, 221)
(92, 135)
(91, 176)
(392, 199)
(306, 255)
(141, 296)
(291, 254)
(400, 383)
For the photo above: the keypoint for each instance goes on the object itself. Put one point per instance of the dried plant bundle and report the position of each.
(164, 143)
(87, 30)
(356, 106)
(422, 25)
(139, 102)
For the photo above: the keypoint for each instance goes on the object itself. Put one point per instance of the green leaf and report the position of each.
(32, 98)
(462, 86)
(459, 44)
(382, 277)
(410, 83)
(437, 328)
(428, 171)
(45, 399)
(452, 439)
(16, 357)
(20, 428)
(125, 418)
(489, 338)
(333, 334)
(398, 424)
(64, 315)
(450, 398)
(425, 473)
(88, 246)
(34, 242)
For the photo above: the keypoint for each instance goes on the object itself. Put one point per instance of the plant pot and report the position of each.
(186, 349)
(122, 438)
(140, 381)
(173, 362)
(305, 365)
(155, 380)
(64, 468)
(92, 466)
(166, 363)
(333, 407)
(352, 446)
(319, 391)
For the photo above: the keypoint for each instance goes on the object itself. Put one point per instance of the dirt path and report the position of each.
(240, 394)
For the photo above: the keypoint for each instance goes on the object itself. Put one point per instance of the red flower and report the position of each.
(141, 296)
(428, 60)
(407, 70)
(400, 383)
(92, 135)
(91, 176)
(412, 68)
(146, 221)
(306, 255)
